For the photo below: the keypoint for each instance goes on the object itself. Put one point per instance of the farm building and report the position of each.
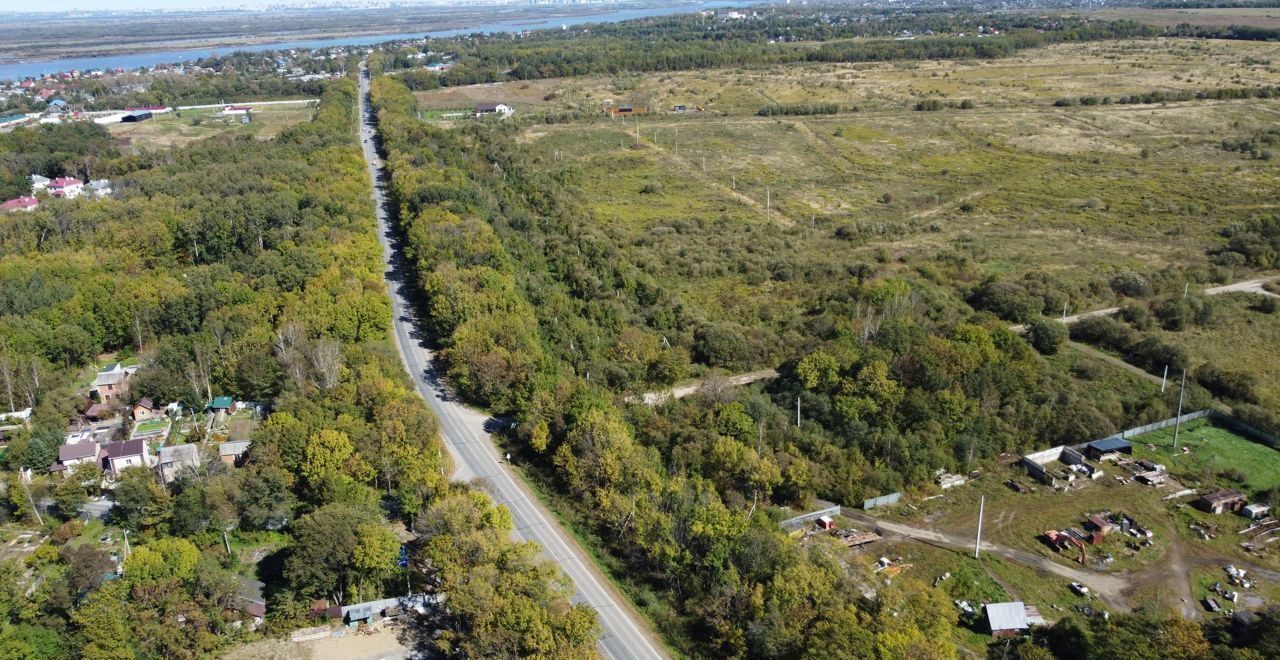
(174, 459)
(1098, 523)
(233, 453)
(136, 116)
(1222, 500)
(1012, 619)
(483, 109)
(1041, 465)
(224, 404)
(1107, 448)
(1256, 511)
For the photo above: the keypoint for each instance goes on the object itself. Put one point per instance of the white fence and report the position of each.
(832, 510)
(883, 500)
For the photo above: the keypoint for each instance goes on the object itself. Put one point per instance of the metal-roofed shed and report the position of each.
(1007, 619)
(1099, 448)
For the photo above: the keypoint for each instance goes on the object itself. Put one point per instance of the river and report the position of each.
(19, 70)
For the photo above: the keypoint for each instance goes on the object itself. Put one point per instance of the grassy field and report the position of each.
(1034, 77)
(1012, 186)
(175, 129)
(1020, 190)
(1213, 456)
(1266, 17)
(1239, 338)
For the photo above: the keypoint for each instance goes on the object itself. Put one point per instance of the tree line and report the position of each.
(782, 35)
(252, 268)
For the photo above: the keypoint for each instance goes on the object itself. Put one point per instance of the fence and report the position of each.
(1220, 418)
(830, 510)
(1156, 426)
(1246, 430)
(883, 500)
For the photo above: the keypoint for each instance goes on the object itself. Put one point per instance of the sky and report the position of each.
(29, 6)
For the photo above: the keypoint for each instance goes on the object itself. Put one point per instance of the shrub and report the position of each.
(1008, 300)
(1046, 336)
(1228, 384)
(1131, 284)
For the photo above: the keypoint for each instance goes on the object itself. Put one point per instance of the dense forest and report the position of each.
(541, 315)
(251, 268)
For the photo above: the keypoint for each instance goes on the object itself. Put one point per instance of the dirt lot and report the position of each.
(384, 645)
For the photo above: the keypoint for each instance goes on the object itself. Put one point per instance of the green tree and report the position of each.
(375, 553)
(70, 496)
(1046, 336)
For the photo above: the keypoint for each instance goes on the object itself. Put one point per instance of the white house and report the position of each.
(100, 187)
(38, 183)
(120, 455)
(67, 187)
(502, 109)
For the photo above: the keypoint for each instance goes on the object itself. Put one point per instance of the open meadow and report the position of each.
(1014, 185)
(182, 127)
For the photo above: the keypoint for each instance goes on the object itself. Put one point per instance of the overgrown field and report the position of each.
(1013, 186)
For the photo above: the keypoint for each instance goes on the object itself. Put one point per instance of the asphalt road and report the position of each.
(466, 436)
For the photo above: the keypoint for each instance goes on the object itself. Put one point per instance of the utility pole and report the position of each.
(1164, 378)
(1064, 312)
(768, 205)
(797, 412)
(977, 544)
(34, 509)
(1185, 288)
(227, 543)
(1177, 421)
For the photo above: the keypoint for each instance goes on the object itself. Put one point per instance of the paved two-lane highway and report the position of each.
(474, 455)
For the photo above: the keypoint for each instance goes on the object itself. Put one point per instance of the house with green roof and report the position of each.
(219, 404)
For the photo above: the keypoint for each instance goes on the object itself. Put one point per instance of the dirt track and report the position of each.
(1109, 588)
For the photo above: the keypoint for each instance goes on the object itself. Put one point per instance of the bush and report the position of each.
(1131, 284)
(719, 345)
(1046, 336)
(1008, 300)
(1228, 384)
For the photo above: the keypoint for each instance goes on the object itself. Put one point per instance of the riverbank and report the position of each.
(149, 40)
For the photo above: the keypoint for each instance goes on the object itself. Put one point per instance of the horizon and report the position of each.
(168, 6)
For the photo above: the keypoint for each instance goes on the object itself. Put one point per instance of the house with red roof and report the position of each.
(65, 186)
(23, 203)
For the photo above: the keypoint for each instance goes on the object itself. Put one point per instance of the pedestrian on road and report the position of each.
(508, 457)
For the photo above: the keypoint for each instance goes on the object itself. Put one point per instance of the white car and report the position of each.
(1080, 588)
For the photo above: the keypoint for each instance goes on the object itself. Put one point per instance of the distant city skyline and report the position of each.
(212, 5)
